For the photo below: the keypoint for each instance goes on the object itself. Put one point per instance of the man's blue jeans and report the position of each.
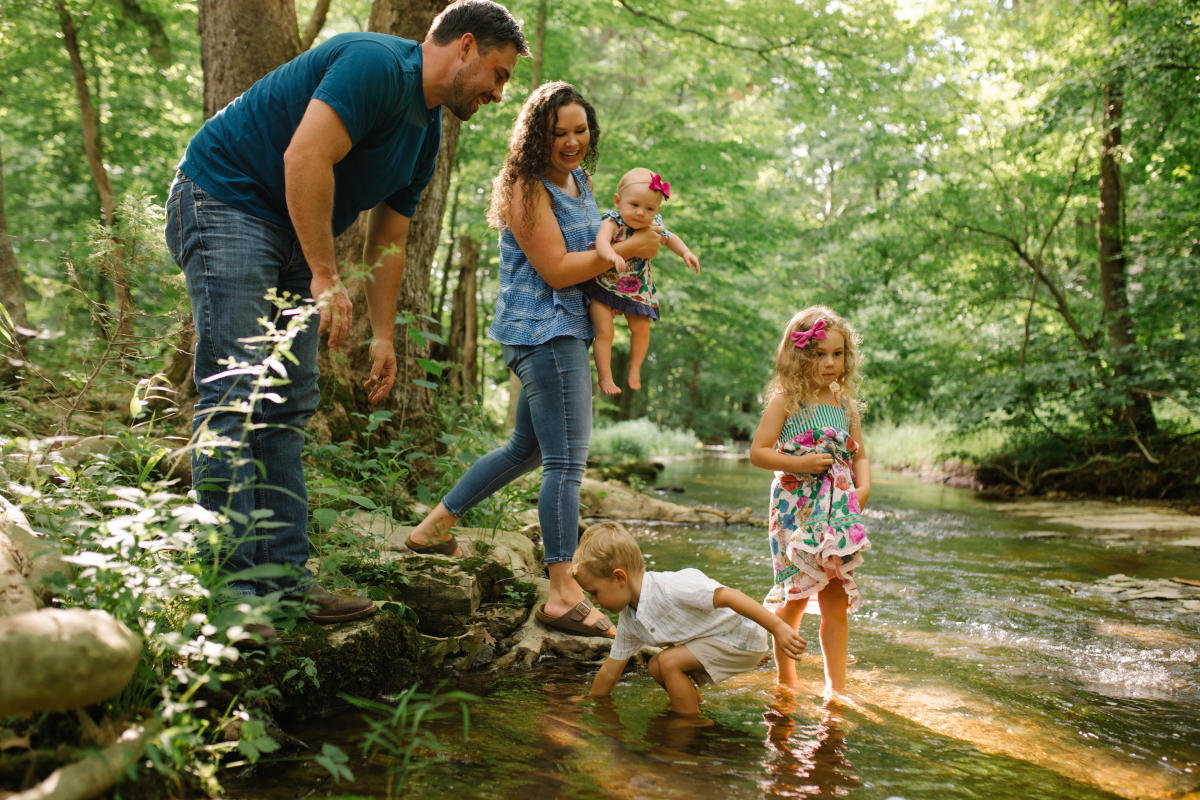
(554, 424)
(230, 260)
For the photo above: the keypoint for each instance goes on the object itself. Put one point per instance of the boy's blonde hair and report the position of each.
(607, 546)
(796, 372)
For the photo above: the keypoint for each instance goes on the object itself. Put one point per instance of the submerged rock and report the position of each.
(611, 500)
(1125, 589)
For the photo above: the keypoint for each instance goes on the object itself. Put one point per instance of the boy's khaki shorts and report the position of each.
(721, 660)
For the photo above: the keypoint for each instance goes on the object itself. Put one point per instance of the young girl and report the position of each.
(627, 288)
(810, 435)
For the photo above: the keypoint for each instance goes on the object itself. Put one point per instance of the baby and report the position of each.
(628, 287)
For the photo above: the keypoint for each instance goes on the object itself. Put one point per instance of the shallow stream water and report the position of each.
(989, 665)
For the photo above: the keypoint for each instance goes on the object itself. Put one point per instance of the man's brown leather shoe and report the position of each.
(325, 608)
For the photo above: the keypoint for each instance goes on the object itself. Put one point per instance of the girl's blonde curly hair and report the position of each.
(796, 370)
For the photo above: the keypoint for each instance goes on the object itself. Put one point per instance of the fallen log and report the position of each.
(94, 775)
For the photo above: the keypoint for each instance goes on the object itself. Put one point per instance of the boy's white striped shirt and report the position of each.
(677, 607)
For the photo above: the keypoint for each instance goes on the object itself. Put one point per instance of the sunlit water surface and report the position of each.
(988, 666)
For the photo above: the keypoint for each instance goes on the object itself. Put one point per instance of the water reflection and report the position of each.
(808, 760)
(985, 659)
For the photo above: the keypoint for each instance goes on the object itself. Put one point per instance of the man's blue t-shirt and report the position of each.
(373, 82)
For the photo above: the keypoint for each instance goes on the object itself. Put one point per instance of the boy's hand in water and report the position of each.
(788, 640)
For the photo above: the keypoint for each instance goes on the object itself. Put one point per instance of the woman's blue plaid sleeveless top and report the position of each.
(528, 310)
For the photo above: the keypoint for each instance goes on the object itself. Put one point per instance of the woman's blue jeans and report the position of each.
(554, 424)
(231, 260)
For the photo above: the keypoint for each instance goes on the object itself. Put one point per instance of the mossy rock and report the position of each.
(316, 664)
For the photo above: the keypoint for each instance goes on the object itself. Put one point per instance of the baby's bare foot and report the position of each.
(635, 379)
(609, 387)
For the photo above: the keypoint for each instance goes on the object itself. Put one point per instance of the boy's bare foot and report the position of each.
(609, 387)
(635, 379)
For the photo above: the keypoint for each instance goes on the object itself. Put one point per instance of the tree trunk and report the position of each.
(535, 80)
(464, 321)
(343, 377)
(539, 46)
(242, 41)
(113, 264)
(440, 308)
(239, 43)
(1129, 407)
(12, 295)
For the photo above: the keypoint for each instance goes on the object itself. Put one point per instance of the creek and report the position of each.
(990, 663)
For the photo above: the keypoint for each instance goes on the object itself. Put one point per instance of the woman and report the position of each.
(542, 203)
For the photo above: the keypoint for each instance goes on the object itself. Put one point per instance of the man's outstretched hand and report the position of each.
(383, 371)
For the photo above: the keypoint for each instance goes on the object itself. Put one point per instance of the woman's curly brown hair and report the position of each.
(796, 369)
(530, 143)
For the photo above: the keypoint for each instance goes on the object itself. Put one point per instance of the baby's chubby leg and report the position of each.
(602, 322)
(639, 343)
(670, 669)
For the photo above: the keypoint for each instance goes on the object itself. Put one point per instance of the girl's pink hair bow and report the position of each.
(657, 184)
(817, 331)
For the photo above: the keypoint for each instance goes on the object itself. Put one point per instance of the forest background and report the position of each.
(1002, 197)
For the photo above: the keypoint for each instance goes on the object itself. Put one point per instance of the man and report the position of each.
(260, 194)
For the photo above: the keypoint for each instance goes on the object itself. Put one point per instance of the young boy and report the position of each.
(710, 632)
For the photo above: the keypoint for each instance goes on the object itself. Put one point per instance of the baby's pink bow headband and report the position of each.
(657, 184)
(817, 331)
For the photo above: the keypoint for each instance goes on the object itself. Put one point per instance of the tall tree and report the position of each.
(113, 262)
(12, 296)
(462, 339)
(1131, 407)
(240, 42)
(411, 399)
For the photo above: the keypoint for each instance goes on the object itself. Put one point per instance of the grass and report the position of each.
(640, 440)
(925, 446)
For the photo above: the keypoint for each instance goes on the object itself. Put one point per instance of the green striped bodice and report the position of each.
(813, 418)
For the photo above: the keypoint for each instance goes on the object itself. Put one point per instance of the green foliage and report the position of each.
(639, 440)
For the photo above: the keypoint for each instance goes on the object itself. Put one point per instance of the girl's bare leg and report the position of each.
(835, 634)
(639, 343)
(602, 321)
(435, 528)
(785, 665)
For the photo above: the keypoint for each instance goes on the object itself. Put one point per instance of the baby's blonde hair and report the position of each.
(635, 176)
(796, 372)
(607, 546)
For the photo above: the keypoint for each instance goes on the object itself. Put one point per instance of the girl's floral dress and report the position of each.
(631, 291)
(815, 522)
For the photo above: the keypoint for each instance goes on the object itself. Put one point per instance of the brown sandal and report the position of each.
(445, 548)
(572, 621)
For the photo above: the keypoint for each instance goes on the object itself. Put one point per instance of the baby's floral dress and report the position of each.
(632, 290)
(815, 522)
